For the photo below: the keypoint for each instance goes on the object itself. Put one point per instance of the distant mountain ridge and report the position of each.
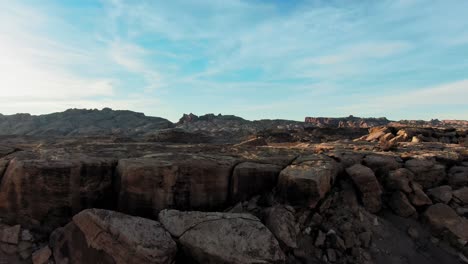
(81, 122)
(350, 121)
(94, 122)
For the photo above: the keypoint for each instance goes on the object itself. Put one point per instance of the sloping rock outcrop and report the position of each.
(101, 236)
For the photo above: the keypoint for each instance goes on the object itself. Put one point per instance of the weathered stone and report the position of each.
(222, 237)
(365, 180)
(281, 222)
(10, 234)
(442, 217)
(331, 255)
(418, 197)
(347, 159)
(458, 176)
(320, 239)
(185, 181)
(365, 238)
(399, 180)
(426, 172)
(398, 138)
(375, 133)
(461, 195)
(381, 164)
(250, 178)
(26, 235)
(254, 142)
(45, 193)
(387, 137)
(102, 236)
(400, 205)
(413, 232)
(441, 194)
(42, 255)
(349, 239)
(25, 249)
(308, 179)
(9, 249)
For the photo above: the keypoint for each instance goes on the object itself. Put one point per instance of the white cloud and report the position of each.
(454, 93)
(35, 71)
(427, 101)
(363, 51)
(131, 57)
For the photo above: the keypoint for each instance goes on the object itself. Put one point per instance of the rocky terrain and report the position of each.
(349, 121)
(276, 191)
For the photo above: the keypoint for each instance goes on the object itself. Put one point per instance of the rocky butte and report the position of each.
(105, 186)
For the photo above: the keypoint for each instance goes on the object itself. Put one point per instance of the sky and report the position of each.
(403, 59)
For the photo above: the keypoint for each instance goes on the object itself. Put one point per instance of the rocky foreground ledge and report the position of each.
(97, 200)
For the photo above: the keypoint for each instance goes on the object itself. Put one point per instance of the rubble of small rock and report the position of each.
(189, 193)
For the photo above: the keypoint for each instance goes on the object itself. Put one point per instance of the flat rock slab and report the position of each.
(222, 237)
(102, 236)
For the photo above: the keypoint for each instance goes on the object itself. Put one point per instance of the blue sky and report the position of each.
(404, 59)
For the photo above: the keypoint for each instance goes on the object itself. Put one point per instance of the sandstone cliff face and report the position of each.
(43, 193)
(148, 185)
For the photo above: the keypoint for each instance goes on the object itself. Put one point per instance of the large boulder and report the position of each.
(222, 237)
(375, 133)
(46, 193)
(251, 178)
(186, 181)
(461, 195)
(419, 197)
(399, 180)
(308, 179)
(427, 172)
(381, 164)
(281, 221)
(101, 236)
(441, 194)
(366, 182)
(400, 205)
(458, 176)
(442, 218)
